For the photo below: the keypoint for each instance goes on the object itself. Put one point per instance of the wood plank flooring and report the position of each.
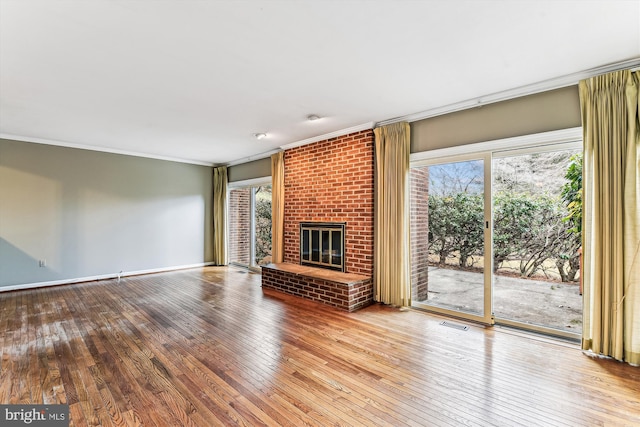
(209, 347)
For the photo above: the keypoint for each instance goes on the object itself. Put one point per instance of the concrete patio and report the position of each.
(551, 304)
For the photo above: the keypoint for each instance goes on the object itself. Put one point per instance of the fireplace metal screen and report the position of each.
(322, 244)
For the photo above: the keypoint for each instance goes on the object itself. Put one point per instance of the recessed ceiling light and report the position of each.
(312, 117)
(260, 135)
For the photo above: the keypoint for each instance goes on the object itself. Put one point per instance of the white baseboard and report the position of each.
(101, 277)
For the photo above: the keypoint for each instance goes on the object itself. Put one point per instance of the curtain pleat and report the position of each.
(392, 244)
(277, 207)
(220, 215)
(632, 225)
(611, 240)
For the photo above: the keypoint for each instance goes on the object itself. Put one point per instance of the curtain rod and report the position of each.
(530, 89)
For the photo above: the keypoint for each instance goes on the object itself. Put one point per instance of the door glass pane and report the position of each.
(447, 233)
(536, 239)
(336, 250)
(315, 245)
(240, 226)
(262, 217)
(305, 245)
(326, 255)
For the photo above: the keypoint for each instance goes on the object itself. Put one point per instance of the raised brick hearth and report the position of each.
(342, 290)
(330, 181)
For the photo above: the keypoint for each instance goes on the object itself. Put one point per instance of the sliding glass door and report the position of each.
(496, 237)
(537, 239)
(249, 224)
(450, 217)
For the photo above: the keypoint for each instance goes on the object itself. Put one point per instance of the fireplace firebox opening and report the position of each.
(322, 244)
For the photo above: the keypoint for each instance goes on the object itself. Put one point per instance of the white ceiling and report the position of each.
(193, 80)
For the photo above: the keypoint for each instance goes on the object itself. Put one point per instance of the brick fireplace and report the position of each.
(332, 181)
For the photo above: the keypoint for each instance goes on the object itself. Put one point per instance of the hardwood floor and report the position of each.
(209, 347)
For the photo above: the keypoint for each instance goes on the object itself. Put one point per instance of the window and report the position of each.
(250, 224)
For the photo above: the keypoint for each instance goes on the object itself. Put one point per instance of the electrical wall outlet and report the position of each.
(42, 263)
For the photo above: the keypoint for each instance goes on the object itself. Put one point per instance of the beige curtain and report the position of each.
(277, 207)
(611, 227)
(392, 247)
(220, 215)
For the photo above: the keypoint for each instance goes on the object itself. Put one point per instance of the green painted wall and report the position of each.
(90, 213)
